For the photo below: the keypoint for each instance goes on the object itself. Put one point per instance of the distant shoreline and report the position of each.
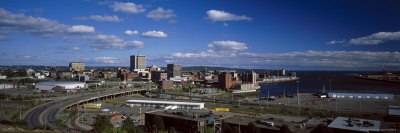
(269, 82)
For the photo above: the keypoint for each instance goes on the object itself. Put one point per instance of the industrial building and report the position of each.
(54, 85)
(180, 105)
(138, 62)
(76, 66)
(174, 70)
(191, 121)
(354, 125)
(360, 95)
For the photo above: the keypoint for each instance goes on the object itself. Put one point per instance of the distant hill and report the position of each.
(189, 68)
(211, 68)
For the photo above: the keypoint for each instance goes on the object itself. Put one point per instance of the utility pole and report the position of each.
(214, 100)
(330, 85)
(268, 100)
(336, 105)
(298, 96)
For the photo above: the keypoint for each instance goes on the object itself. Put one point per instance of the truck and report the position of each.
(92, 106)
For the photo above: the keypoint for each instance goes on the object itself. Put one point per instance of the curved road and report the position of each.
(46, 113)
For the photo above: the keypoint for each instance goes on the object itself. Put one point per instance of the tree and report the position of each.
(159, 122)
(21, 72)
(101, 123)
(284, 129)
(253, 128)
(208, 130)
(137, 79)
(113, 130)
(171, 130)
(129, 126)
(321, 128)
(9, 72)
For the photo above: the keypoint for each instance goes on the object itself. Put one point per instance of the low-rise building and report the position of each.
(158, 75)
(3, 76)
(354, 125)
(182, 120)
(129, 76)
(57, 85)
(166, 84)
(180, 105)
(263, 125)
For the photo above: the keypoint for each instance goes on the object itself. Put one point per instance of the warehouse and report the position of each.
(181, 105)
(57, 85)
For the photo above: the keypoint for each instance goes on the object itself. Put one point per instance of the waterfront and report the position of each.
(313, 81)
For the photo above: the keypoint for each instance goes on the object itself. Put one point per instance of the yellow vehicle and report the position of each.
(221, 109)
(92, 106)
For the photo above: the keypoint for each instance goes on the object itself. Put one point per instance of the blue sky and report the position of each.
(303, 35)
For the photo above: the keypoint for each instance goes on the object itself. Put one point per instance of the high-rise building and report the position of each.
(76, 66)
(250, 76)
(138, 62)
(174, 70)
(225, 80)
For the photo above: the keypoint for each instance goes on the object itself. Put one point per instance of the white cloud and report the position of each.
(374, 39)
(345, 60)
(101, 18)
(128, 7)
(112, 42)
(4, 38)
(226, 25)
(215, 15)
(81, 29)
(76, 48)
(106, 18)
(107, 60)
(173, 21)
(335, 42)
(129, 32)
(96, 50)
(154, 34)
(38, 26)
(228, 45)
(25, 56)
(160, 13)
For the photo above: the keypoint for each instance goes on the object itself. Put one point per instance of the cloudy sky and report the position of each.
(301, 35)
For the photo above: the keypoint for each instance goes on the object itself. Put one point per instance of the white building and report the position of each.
(3, 76)
(182, 105)
(51, 86)
(7, 86)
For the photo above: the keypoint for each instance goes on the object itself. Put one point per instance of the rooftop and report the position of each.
(164, 102)
(193, 115)
(58, 83)
(355, 124)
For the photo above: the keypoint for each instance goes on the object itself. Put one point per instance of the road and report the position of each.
(45, 114)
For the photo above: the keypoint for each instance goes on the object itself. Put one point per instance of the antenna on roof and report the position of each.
(138, 53)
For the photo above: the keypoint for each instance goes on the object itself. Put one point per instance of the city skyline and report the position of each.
(321, 35)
